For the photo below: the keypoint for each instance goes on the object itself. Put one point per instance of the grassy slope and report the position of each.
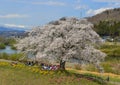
(114, 78)
(17, 76)
(111, 64)
(24, 75)
(112, 61)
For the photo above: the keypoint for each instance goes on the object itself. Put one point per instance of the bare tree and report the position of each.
(70, 40)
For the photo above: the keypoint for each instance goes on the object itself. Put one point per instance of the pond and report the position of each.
(8, 50)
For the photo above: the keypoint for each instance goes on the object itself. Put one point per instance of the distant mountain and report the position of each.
(108, 15)
(5, 29)
(12, 32)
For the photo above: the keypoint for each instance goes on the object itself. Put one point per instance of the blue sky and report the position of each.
(29, 13)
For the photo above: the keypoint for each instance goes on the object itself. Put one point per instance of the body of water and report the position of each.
(8, 50)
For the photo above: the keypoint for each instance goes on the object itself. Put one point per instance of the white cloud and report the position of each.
(97, 11)
(107, 0)
(13, 16)
(116, 4)
(51, 3)
(14, 26)
(78, 7)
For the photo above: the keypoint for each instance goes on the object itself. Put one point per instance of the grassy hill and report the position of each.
(24, 75)
(112, 14)
(107, 23)
(21, 74)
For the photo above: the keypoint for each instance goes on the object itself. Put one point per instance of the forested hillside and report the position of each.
(107, 23)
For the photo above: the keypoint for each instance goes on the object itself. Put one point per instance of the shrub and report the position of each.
(14, 57)
(78, 66)
(2, 46)
(63, 18)
(13, 47)
(4, 56)
(54, 22)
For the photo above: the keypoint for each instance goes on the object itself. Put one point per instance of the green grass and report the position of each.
(14, 57)
(112, 60)
(13, 47)
(111, 64)
(24, 75)
(113, 78)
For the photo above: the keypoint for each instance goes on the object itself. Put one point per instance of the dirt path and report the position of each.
(97, 73)
(111, 75)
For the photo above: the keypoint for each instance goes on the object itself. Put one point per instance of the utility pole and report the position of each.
(80, 14)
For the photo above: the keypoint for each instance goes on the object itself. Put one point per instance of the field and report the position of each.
(25, 75)
(111, 64)
(112, 61)
(20, 74)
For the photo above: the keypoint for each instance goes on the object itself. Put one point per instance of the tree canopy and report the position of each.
(67, 39)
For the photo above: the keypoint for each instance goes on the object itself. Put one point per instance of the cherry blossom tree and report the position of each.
(67, 39)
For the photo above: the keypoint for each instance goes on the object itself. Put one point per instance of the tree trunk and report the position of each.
(62, 65)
